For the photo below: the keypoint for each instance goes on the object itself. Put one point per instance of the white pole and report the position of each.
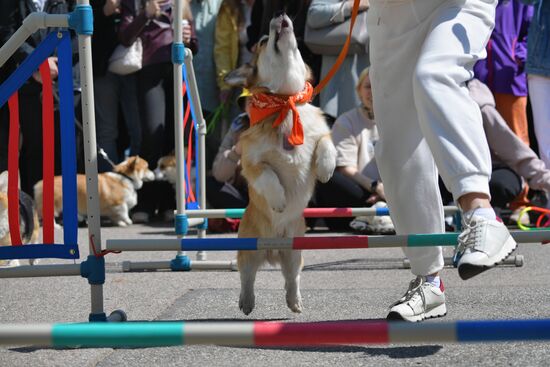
(31, 24)
(90, 156)
(25, 271)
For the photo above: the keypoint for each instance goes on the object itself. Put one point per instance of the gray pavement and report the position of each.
(336, 285)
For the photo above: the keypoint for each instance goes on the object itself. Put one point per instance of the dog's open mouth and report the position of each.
(285, 26)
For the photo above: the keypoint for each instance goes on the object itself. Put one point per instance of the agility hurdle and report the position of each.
(305, 243)
(270, 334)
(308, 212)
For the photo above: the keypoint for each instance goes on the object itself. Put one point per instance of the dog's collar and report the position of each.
(126, 177)
(262, 105)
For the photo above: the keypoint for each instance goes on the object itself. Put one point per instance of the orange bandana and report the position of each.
(262, 105)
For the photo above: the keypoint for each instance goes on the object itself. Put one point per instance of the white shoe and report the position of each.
(422, 301)
(380, 224)
(481, 245)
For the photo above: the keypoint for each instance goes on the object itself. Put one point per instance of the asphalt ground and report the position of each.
(336, 285)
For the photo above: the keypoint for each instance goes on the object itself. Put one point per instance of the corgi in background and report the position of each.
(28, 220)
(117, 191)
(285, 150)
(166, 170)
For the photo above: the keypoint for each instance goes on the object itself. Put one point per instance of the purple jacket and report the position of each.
(503, 69)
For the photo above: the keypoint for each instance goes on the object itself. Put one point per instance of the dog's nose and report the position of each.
(279, 13)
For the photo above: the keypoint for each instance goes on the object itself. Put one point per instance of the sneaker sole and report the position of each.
(438, 311)
(468, 270)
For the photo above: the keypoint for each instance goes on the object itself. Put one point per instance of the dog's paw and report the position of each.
(121, 223)
(56, 225)
(276, 199)
(326, 163)
(33, 261)
(294, 303)
(246, 303)
(128, 221)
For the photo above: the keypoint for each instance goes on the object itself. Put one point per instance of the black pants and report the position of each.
(340, 192)
(113, 92)
(504, 186)
(220, 198)
(155, 98)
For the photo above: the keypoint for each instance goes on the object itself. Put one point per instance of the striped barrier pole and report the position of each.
(308, 212)
(305, 243)
(260, 334)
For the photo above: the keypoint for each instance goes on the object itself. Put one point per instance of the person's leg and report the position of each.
(220, 198)
(107, 91)
(152, 104)
(539, 93)
(4, 137)
(406, 164)
(451, 123)
(130, 111)
(514, 111)
(404, 159)
(340, 192)
(505, 185)
(30, 118)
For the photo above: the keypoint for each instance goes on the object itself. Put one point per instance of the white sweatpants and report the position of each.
(539, 93)
(422, 53)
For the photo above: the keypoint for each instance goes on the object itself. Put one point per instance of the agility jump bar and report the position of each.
(161, 334)
(304, 243)
(308, 212)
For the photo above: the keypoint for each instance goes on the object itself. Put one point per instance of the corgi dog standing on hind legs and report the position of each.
(286, 149)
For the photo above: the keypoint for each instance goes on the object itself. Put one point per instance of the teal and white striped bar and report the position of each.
(304, 243)
(308, 212)
(160, 334)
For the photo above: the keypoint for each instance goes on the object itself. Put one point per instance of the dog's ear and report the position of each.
(4, 181)
(133, 162)
(240, 77)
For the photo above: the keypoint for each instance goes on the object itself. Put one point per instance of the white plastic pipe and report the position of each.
(31, 24)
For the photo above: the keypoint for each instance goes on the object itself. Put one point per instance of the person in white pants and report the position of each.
(422, 54)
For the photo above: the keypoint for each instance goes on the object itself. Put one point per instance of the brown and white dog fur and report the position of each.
(166, 171)
(29, 231)
(281, 181)
(117, 190)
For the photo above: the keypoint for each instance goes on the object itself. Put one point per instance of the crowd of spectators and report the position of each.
(134, 112)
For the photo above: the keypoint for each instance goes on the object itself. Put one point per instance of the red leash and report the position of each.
(343, 54)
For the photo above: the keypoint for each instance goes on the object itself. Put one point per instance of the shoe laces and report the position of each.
(469, 236)
(415, 290)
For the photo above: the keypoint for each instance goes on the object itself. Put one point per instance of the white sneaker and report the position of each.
(481, 245)
(380, 224)
(422, 301)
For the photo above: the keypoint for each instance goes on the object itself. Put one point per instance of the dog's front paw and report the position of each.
(246, 303)
(326, 163)
(294, 303)
(276, 199)
(121, 223)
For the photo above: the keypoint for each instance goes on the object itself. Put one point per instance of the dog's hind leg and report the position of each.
(291, 266)
(248, 263)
